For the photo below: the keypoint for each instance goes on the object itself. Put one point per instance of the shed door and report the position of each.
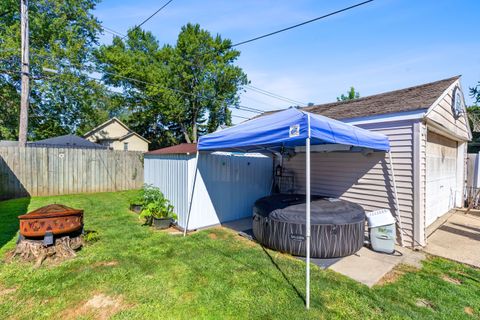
(441, 164)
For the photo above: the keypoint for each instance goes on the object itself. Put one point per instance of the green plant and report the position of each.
(91, 236)
(155, 205)
(138, 199)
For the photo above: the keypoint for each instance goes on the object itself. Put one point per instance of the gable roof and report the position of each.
(69, 141)
(106, 123)
(128, 135)
(408, 99)
(115, 119)
(183, 148)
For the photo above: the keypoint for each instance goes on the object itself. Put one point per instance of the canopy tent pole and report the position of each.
(191, 196)
(307, 213)
(395, 194)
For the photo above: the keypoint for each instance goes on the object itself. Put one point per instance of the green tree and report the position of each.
(351, 94)
(62, 37)
(473, 113)
(475, 92)
(174, 93)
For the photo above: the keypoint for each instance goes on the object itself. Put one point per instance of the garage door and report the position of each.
(441, 162)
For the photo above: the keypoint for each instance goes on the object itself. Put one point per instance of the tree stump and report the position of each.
(34, 250)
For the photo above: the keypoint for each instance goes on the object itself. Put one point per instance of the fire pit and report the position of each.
(53, 232)
(56, 219)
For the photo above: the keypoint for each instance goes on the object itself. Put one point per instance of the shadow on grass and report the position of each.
(9, 212)
(239, 261)
(299, 294)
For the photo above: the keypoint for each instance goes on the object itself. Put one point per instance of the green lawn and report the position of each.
(139, 273)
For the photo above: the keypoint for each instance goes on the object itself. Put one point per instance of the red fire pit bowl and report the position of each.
(55, 218)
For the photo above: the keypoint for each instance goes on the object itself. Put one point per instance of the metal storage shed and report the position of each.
(226, 184)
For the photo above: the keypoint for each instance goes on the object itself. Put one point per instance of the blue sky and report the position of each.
(382, 46)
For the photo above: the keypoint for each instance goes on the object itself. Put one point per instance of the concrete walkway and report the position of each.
(369, 267)
(457, 239)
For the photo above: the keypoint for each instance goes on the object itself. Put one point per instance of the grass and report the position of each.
(213, 274)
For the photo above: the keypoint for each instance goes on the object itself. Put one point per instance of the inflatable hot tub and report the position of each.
(337, 226)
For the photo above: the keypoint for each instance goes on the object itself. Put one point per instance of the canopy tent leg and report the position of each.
(191, 196)
(397, 205)
(307, 213)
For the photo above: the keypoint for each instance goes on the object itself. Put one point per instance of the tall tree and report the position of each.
(62, 37)
(351, 94)
(175, 93)
(475, 92)
(473, 114)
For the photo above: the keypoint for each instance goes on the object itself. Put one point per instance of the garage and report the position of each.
(441, 176)
(428, 131)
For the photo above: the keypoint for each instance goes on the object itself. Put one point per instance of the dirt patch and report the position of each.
(187, 296)
(6, 291)
(468, 310)
(173, 231)
(451, 280)
(100, 307)
(111, 263)
(396, 273)
(212, 236)
(391, 277)
(424, 303)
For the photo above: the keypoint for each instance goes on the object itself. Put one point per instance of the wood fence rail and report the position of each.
(54, 171)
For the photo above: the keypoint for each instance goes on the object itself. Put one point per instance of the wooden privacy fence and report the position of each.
(54, 171)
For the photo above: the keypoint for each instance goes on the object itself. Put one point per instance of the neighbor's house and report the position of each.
(66, 141)
(116, 135)
(428, 131)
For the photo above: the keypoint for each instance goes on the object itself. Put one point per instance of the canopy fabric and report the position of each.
(290, 128)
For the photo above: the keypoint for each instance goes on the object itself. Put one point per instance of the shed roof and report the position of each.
(408, 99)
(183, 148)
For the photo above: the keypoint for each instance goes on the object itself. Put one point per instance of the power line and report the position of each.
(151, 16)
(259, 90)
(111, 31)
(233, 115)
(247, 109)
(302, 23)
(122, 93)
(274, 95)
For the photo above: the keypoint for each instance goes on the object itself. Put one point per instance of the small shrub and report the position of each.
(91, 236)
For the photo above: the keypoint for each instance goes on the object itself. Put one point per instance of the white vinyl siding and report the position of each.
(442, 114)
(365, 179)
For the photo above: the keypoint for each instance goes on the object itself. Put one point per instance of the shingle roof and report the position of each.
(408, 99)
(183, 148)
(69, 141)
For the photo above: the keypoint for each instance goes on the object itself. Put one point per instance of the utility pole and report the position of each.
(23, 129)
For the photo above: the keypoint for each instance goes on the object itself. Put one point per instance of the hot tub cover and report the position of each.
(324, 210)
(337, 226)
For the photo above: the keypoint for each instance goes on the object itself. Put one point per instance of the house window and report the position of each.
(125, 146)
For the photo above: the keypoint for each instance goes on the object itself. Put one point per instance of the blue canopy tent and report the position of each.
(289, 129)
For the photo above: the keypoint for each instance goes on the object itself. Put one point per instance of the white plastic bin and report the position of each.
(381, 226)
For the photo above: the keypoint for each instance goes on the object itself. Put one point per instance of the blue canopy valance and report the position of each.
(290, 128)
